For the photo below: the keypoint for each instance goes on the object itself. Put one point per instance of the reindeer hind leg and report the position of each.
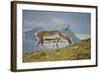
(37, 44)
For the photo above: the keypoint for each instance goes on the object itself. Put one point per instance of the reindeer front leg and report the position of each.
(57, 40)
(69, 40)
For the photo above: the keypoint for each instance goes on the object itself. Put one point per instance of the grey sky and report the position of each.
(80, 23)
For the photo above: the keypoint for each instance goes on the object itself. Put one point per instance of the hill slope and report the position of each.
(73, 52)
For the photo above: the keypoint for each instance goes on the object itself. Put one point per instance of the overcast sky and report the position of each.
(80, 23)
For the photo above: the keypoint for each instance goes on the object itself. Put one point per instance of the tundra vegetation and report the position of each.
(80, 51)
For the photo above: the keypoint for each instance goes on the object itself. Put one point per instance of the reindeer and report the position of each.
(51, 36)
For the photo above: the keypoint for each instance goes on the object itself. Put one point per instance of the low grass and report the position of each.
(79, 51)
